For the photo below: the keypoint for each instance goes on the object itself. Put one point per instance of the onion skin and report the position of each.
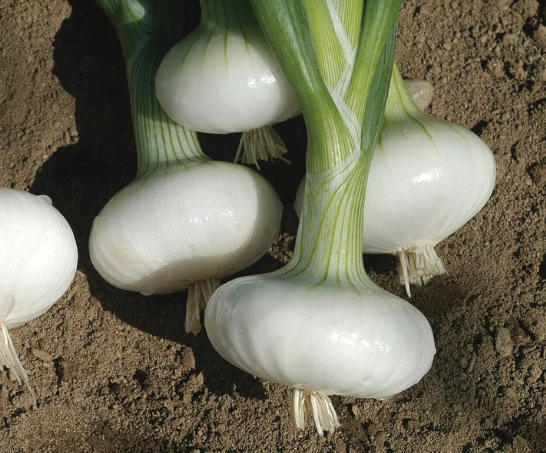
(38, 255)
(428, 177)
(328, 339)
(220, 81)
(163, 233)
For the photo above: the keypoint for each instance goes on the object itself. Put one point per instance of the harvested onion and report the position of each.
(38, 258)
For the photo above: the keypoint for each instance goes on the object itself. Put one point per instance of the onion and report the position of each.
(38, 258)
(319, 324)
(185, 221)
(185, 228)
(223, 78)
(428, 177)
(350, 339)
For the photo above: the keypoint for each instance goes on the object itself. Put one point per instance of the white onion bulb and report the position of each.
(38, 258)
(428, 177)
(320, 339)
(223, 78)
(177, 228)
(223, 85)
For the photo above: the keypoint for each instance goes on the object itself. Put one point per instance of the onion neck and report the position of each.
(401, 109)
(227, 14)
(147, 30)
(329, 239)
(343, 111)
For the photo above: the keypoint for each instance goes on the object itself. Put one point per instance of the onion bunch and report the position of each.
(318, 324)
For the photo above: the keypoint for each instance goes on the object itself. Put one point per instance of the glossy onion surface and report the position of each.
(175, 227)
(38, 256)
(323, 338)
(224, 81)
(428, 177)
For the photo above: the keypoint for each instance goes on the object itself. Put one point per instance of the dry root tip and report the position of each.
(10, 359)
(198, 295)
(417, 265)
(316, 404)
(260, 144)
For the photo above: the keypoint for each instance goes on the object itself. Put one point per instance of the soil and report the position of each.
(115, 372)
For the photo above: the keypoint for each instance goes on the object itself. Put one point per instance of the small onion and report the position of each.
(223, 78)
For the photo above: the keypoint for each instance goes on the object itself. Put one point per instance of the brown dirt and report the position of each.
(114, 371)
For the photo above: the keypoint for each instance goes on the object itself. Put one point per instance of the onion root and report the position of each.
(315, 404)
(10, 359)
(199, 294)
(417, 265)
(263, 143)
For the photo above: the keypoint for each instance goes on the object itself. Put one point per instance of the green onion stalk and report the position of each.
(147, 29)
(343, 103)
